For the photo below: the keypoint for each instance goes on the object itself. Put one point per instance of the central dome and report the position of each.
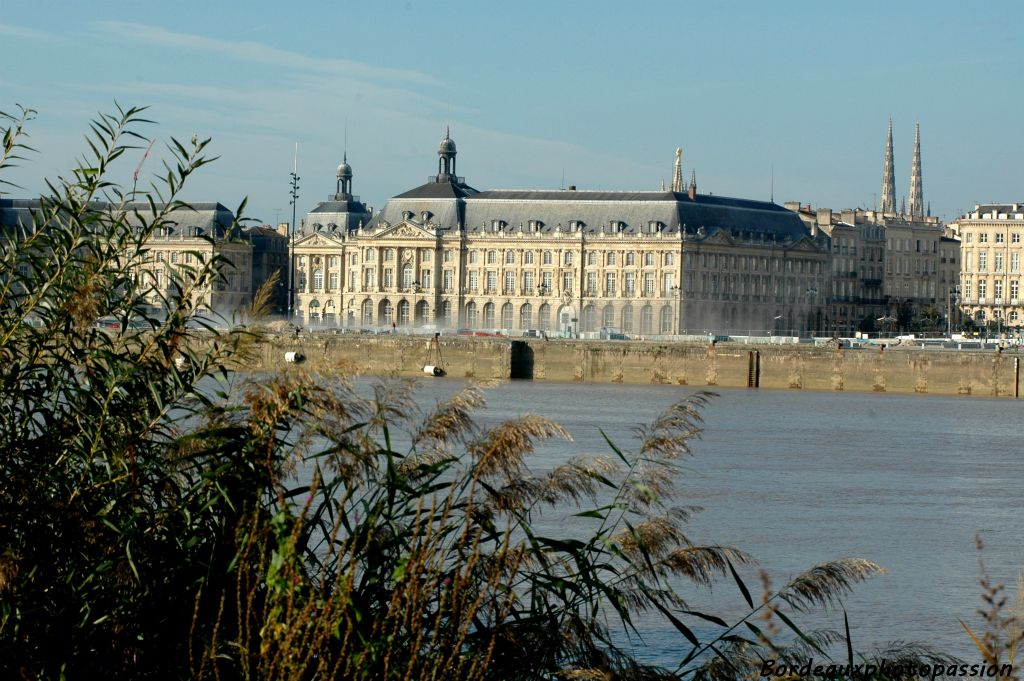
(447, 146)
(344, 171)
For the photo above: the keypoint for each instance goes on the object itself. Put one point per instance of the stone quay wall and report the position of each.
(789, 367)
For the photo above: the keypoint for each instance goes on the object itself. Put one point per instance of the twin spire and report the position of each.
(916, 208)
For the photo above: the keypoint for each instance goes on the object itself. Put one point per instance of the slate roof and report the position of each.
(208, 218)
(454, 204)
(337, 214)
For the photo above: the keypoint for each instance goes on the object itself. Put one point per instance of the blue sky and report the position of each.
(600, 92)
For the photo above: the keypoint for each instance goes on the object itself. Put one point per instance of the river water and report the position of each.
(797, 478)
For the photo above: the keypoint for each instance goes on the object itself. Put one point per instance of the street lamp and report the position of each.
(294, 193)
(954, 294)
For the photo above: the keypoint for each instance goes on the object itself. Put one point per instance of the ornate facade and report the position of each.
(445, 255)
(991, 276)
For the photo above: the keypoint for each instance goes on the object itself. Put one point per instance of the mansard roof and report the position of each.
(209, 218)
(341, 212)
(629, 212)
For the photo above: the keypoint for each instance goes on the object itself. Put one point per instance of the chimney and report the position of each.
(692, 192)
(572, 187)
(282, 228)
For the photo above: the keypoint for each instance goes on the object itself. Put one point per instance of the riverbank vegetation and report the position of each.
(153, 523)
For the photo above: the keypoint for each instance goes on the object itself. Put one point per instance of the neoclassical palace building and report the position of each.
(665, 262)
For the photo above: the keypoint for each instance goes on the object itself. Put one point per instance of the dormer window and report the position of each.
(426, 215)
(407, 215)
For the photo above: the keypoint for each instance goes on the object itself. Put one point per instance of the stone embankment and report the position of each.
(791, 367)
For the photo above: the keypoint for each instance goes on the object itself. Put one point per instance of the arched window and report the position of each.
(446, 312)
(666, 319)
(544, 317)
(610, 259)
(471, 315)
(510, 257)
(646, 320)
(506, 316)
(627, 319)
(608, 316)
(526, 316)
(568, 258)
(367, 313)
(547, 257)
(528, 258)
(422, 312)
(489, 316)
(492, 257)
(589, 318)
(385, 313)
(592, 258)
(403, 313)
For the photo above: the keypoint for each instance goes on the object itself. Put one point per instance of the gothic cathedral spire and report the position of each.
(916, 207)
(888, 178)
(677, 172)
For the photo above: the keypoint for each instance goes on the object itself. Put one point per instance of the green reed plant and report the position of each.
(156, 524)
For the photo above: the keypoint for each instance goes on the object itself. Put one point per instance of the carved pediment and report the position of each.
(406, 230)
(317, 240)
(719, 237)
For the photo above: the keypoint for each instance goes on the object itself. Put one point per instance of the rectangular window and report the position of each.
(567, 282)
(1015, 238)
(609, 284)
(970, 237)
(449, 279)
(968, 262)
(591, 283)
(427, 279)
(545, 281)
(998, 262)
(997, 289)
(528, 283)
(1014, 290)
(983, 238)
(389, 277)
(492, 281)
(510, 282)
(982, 285)
(649, 284)
(982, 261)
(999, 238)
(547, 257)
(630, 284)
(474, 282)
(967, 289)
(1015, 262)
(352, 280)
(333, 282)
(448, 256)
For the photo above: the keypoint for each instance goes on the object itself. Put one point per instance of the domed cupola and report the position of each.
(446, 161)
(344, 178)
